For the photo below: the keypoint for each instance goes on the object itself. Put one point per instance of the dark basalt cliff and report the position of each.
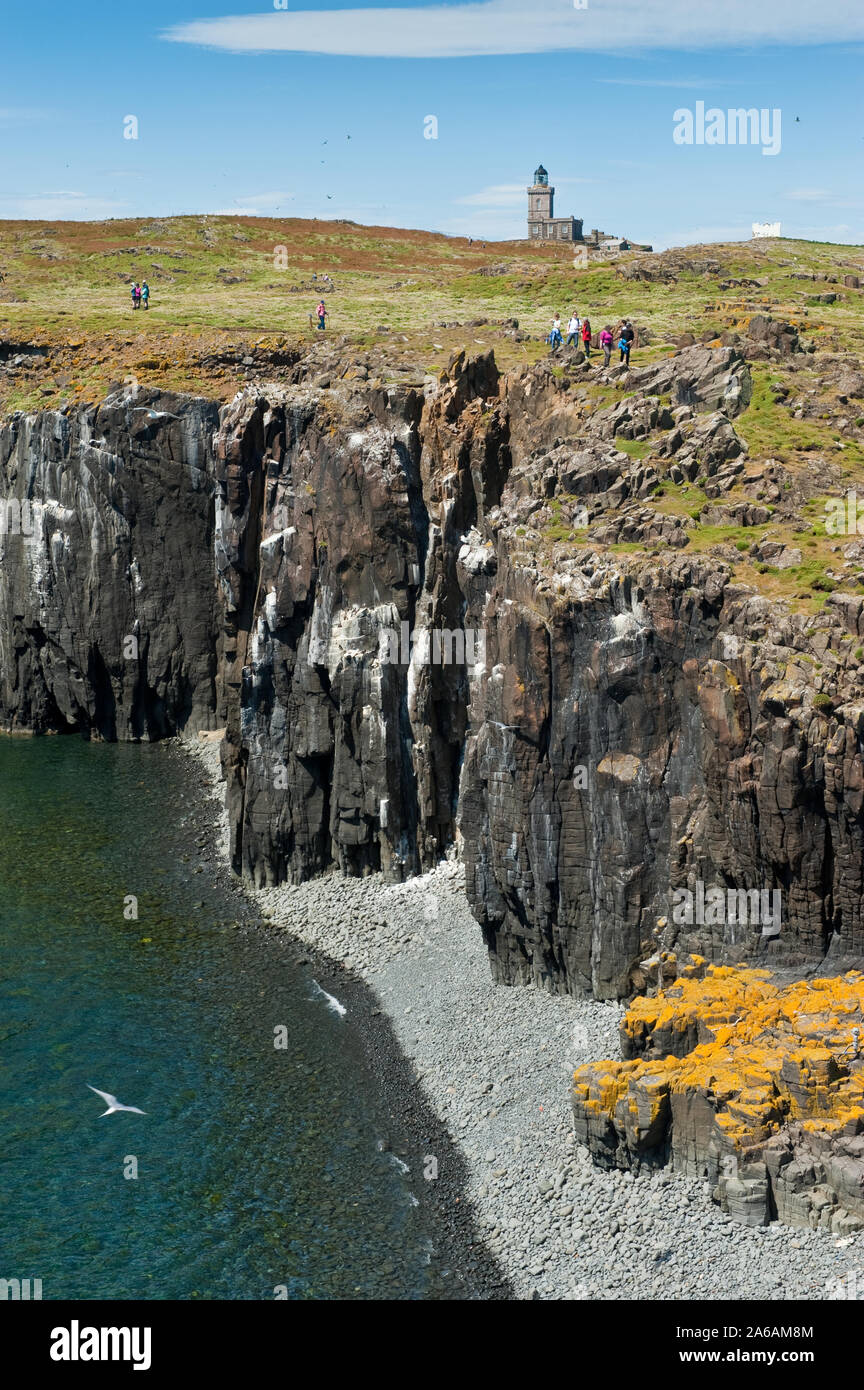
(107, 537)
(634, 723)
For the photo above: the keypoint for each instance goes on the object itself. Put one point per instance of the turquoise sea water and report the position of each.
(257, 1167)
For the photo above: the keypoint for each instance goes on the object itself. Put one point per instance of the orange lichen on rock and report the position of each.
(690, 1011)
(719, 1069)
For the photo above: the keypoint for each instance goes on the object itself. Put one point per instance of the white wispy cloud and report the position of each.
(839, 231)
(808, 195)
(508, 195)
(491, 224)
(256, 205)
(698, 84)
(328, 209)
(22, 115)
(824, 196)
(72, 194)
(496, 195)
(58, 205)
(267, 200)
(510, 26)
(700, 235)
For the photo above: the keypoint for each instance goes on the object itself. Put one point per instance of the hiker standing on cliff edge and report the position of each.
(625, 341)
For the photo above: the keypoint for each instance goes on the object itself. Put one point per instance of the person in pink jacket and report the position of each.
(606, 341)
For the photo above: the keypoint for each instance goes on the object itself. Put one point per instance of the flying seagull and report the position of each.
(113, 1103)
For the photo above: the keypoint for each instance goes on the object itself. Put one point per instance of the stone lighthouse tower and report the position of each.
(540, 197)
(541, 221)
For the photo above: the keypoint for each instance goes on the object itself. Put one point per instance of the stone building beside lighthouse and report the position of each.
(541, 221)
(544, 226)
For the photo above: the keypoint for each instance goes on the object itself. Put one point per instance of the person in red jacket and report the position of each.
(586, 337)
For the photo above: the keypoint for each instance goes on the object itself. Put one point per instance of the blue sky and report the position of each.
(244, 107)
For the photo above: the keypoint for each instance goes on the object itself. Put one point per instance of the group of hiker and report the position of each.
(141, 295)
(580, 333)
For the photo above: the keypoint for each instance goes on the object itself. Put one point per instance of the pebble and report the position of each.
(419, 950)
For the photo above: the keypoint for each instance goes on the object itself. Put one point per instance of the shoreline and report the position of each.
(493, 1064)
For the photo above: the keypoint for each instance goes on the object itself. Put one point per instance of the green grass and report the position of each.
(65, 285)
(679, 499)
(634, 448)
(769, 427)
(705, 536)
(558, 532)
(811, 575)
(407, 280)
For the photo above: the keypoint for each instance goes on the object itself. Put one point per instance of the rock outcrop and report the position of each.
(370, 587)
(108, 613)
(756, 1087)
(321, 545)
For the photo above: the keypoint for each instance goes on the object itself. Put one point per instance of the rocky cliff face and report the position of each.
(756, 1087)
(108, 615)
(620, 726)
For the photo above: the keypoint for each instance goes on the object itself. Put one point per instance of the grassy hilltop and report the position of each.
(224, 313)
(215, 282)
(247, 282)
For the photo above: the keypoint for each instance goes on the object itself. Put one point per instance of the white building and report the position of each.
(763, 229)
